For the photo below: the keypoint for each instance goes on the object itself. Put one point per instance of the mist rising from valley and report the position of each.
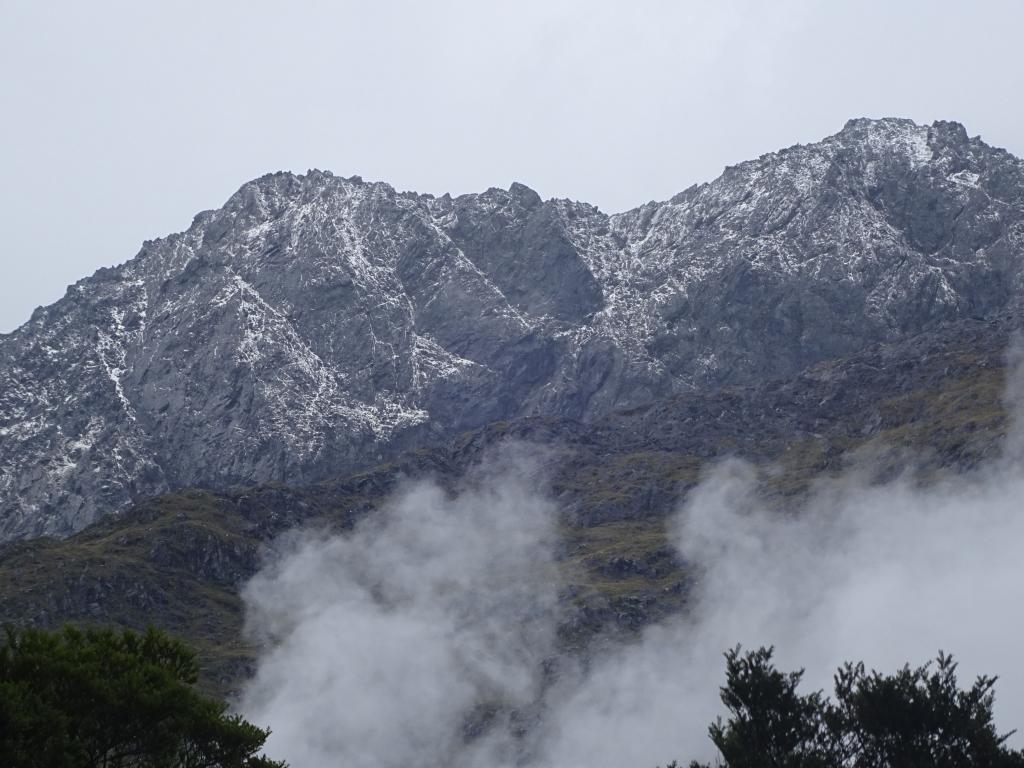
(428, 635)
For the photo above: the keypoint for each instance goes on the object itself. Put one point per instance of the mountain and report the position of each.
(930, 403)
(315, 324)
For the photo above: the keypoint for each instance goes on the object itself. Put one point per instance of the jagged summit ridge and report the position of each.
(314, 322)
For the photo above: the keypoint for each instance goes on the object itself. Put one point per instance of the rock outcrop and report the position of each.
(315, 324)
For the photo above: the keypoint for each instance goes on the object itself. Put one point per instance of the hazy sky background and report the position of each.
(121, 120)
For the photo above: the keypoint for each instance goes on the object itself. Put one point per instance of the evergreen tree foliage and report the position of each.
(915, 718)
(99, 698)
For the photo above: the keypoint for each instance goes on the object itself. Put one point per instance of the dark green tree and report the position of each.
(770, 723)
(98, 698)
(916, 718)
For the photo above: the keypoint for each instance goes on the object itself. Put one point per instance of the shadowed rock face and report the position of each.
(919, 408)
(316, 323)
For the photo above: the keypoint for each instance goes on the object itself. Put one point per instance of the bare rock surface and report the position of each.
(316, 324)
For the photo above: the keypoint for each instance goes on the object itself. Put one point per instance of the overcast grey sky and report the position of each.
(121, 120)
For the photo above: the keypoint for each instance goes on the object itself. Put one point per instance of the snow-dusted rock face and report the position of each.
(316, 323)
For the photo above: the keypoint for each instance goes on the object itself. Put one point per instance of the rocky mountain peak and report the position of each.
(867, 128)
(315, 323)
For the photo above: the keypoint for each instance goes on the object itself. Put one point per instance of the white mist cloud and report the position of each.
(385, 639)
(888, 574)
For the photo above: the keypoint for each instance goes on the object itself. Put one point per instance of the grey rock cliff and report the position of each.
(315, 323)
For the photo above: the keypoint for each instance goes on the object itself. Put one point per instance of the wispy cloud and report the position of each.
(397, 643)
(434, 621)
